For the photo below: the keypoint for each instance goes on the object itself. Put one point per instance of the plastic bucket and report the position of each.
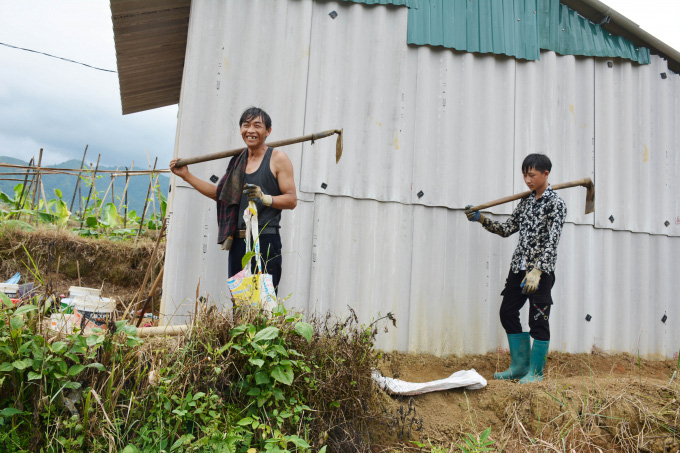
(94, 308)
(11, 289)
(81, 291)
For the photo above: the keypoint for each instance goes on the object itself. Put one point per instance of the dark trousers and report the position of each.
(539, 305)
(270, 249)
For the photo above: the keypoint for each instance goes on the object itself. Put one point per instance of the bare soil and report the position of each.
(587, 402)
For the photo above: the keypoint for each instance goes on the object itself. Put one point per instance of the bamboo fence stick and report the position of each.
(146, 201)
(75, 189)
(94, 179)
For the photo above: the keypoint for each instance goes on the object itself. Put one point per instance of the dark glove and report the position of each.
(530, 283)
(255, 194)
(475, 216)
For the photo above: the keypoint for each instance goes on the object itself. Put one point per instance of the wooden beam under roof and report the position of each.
(150, 38)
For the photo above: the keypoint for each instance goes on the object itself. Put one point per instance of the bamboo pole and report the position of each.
(94, 179)
(76, 170)
(148, 271)
(107, 190)
(127, 181)
(146, 201)
(37, 184)
(24, 190)
(75, 189)
(159, 278)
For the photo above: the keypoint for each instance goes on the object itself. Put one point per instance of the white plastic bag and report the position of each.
(469, 379)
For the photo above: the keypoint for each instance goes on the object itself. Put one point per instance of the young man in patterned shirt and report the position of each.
(539, 219)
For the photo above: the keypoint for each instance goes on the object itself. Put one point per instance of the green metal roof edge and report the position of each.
(486, 26)
(564, 31)
(517, 28)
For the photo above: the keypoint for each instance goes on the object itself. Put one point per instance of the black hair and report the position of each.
(252, 113)
(539, 162)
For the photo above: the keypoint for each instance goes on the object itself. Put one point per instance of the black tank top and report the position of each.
(263, 177)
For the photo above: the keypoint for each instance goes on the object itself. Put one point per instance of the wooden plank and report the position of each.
(136, 7)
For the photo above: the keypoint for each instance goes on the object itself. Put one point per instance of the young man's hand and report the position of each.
(182, 172)
(475, 216)
(255, 194)
(530, 283)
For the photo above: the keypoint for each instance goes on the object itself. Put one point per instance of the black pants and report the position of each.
(270, 249)
(539, 305)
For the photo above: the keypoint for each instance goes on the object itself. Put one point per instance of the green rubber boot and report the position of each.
(520, 345)
(539, 351)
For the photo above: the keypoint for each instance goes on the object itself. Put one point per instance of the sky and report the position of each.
(61, 107)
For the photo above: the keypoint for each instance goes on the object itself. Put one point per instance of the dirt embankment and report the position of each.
(60, 257)
(587, 402)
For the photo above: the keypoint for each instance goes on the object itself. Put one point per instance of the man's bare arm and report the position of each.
(283, 171)
(204, 187)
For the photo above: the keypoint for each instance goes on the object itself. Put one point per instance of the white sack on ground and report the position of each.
(469, 379)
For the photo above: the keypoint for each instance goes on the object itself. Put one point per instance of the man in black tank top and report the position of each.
(266, 177)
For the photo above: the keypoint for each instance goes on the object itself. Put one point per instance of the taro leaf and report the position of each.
(261, 378)
(238, 330)
(92, 340)
(32, 375)
(298, 441)
(256, 362)
(253, 392)
(304, 329)
(17, 192)
(283, 374)
(245, 421)
(130, 449)
(9, 411)
(5, 367)
(109, 215)
(98, 366)
(268, 333)
(25, 309)
(75, 370)
(6, 300)
(47, 218)
(16, 322)
(91, 222)
(22, 364)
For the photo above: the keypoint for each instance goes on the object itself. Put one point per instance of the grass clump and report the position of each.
(235, 381)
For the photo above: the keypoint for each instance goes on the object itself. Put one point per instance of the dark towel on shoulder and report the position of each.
(229, 191)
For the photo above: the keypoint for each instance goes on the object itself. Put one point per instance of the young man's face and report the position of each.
(536, 180)
(254, 132)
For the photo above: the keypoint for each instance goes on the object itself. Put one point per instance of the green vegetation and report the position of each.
(98, 219)
(240, 381)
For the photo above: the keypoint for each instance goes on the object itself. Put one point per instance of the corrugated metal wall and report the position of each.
(455, 126)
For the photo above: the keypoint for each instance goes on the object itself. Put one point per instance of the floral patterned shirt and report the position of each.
(539, 223)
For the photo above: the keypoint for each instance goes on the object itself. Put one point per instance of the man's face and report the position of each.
(254, 132)
(535, 179)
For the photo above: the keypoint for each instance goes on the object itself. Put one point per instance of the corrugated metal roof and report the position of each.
(518, 28)
(566, 32)
(150, 39)
(506, 27)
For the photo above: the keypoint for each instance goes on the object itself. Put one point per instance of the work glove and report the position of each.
(475, 216)
(255, 194)
(226, 245)
(530, 283)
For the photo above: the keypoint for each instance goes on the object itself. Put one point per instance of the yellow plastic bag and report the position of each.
(248, 289)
